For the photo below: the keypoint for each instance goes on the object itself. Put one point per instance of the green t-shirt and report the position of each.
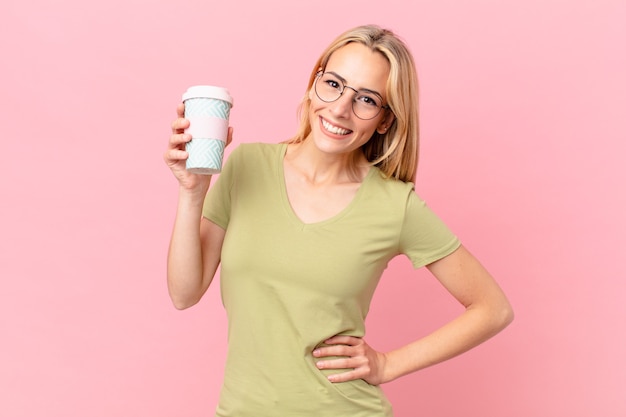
(287, 286)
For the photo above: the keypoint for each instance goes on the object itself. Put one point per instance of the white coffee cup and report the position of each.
(208, 109)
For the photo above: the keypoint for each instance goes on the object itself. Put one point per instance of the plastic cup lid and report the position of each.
(208, 91)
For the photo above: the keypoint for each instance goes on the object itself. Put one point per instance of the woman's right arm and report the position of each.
(196, 243)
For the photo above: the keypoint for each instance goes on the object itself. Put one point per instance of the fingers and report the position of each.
(179, 125)
(345, 340)
(180, 110)
(356, 367)
(173, 156)
(175, 152)
(176, 147)
(354, 356)
(347, 346)
(345, 363)
(351, 375)
(349, 356)
(178, 140)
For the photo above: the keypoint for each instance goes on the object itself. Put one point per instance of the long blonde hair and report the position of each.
(394, 152)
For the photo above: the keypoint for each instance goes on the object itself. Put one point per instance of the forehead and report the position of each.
(360, 66)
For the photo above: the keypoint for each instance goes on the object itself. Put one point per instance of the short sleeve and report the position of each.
(218, 201)
(425, 238)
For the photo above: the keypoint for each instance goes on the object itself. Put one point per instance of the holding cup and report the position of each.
(207, 108)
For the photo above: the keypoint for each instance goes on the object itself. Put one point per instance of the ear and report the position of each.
(386, 122)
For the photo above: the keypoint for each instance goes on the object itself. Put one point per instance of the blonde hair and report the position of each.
(394, 152)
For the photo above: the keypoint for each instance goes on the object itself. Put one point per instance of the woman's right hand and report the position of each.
(176, 156)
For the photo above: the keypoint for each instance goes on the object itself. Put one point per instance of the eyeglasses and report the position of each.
(366, 104)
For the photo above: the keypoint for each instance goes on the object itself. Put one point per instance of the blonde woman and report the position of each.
(303, 231)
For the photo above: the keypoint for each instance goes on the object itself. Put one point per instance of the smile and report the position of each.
(334, 129)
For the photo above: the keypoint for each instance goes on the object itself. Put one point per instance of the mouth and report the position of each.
(335, 130)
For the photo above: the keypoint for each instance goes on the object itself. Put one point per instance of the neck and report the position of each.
(322, 168)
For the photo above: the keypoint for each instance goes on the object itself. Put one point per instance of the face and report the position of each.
(335, 128)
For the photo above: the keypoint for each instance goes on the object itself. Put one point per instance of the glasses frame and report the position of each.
(343, 89)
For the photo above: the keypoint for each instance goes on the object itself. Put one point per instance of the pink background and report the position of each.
(523, 130)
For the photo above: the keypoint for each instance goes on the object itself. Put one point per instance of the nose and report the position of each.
(342, 107)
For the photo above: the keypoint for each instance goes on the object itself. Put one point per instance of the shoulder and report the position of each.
(251, 160)
(390, 189)
(258, 149)
(253, 156)
(395, 196)
(387, 199)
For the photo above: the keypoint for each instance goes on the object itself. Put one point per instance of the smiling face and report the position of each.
(335, 129)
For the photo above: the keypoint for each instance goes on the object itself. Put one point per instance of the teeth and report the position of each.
(334, 129)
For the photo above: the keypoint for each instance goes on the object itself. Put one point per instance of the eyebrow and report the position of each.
(367, 90)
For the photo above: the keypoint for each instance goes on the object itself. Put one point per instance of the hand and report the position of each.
(175, 156)
(365, 363)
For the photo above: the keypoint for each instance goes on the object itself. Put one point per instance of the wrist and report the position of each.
(388, 373)
(394, 366)
(191, 198)
(194, 191)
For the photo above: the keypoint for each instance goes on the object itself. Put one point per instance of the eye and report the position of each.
(331, 82)
(369, 100)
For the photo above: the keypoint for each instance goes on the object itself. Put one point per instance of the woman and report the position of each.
(304, 230)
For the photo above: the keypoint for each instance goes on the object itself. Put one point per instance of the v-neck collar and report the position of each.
(289, 209)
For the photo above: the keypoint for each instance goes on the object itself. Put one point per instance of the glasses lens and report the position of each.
(365, 105)
(328, 87)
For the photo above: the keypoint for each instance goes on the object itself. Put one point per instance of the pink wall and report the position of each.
(523, 147)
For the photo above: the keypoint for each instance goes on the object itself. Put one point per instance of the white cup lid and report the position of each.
(208, 91)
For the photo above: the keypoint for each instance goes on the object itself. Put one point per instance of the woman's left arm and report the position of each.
(487, 312)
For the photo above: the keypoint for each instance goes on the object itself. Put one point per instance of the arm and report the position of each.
(487, 311)
(194, 253)
(196, 243)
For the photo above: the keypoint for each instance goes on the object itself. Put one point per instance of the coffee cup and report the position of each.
(208, 109)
